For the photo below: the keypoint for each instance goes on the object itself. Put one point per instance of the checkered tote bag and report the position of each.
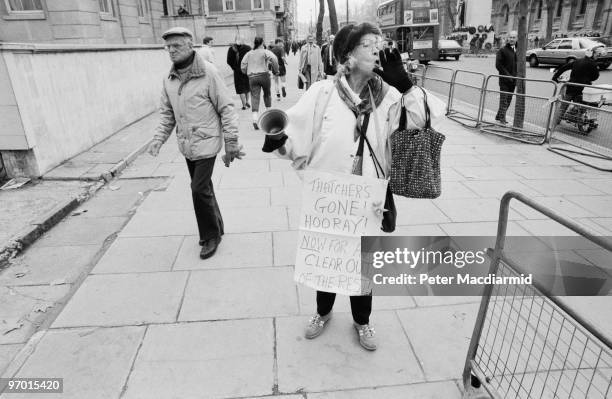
(415, 165)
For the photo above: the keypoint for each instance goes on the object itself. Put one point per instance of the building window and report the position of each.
(539, 15)
(24, 9)
(257, 4)
(107, 9)
(583, 5)
(229, 5)
(559, 8)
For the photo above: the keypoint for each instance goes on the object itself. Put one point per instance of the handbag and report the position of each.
(415, 158)
(390, 213)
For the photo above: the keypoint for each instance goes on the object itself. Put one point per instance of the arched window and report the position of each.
(506, 13)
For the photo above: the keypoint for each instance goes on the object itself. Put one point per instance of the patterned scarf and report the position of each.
(375, 85)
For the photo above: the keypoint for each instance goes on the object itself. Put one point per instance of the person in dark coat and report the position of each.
(235, 54)
(327, 53)
(584, 72)
(506, 64)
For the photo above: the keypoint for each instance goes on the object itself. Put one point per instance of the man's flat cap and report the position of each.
(177, 31)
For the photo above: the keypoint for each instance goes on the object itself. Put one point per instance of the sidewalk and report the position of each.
(131, 311)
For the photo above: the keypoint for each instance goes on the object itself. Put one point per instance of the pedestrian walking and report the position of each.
(324, 126)
(280, 80)
(506, 64)
(196, 101)
(583, 72)
(327, 53)
(256, 65)
(311, 65)
(294, 47)
(206, 52)
(235, 54)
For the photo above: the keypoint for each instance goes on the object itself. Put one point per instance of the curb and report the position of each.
(29, 234)
(121, 165)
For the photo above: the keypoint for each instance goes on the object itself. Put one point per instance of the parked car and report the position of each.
(563, 50)
(449, 48)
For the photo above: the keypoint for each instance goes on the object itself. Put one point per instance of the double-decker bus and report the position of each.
(413, 25)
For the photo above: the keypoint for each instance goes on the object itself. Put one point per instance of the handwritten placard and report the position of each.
(337, 210)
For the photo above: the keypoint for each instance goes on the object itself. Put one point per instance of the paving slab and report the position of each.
(41, 265)
(487, 229)
(472, 210)
(449, 160)
(600, 206)
(285, 247)
(161, 224)
(94, 362)
(253, 220)
(24, 309)
(252, 180)
(562, 205)
(76, 230)
(124, 299)
(115, 204)
(211, 360)
(419, 230)
(336, 361)
(604, 186)
(497, 188)
(486, 172)
(414, 211)
(562, 187)
(289, 195)
(239, 293)
(453, 189)
(229, 199)
(7, 353)
(235, 251)
(440, 337)
(139, 255)
(433, 390)
(450, 174)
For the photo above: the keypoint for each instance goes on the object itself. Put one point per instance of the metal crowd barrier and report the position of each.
(528, 344)
(534, 113)
(438, 80)
(464, 105)
(581, 128)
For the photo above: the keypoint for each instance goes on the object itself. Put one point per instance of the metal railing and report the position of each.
(464, 105)
(528, 344)
(582, 123)
(528, 119)
(438, 80)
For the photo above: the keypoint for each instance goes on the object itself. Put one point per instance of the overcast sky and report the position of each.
(306, 7)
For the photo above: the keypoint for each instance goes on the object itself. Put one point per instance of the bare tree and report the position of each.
(521, 50)
(550, 10)
(320, 21)
(333, 17)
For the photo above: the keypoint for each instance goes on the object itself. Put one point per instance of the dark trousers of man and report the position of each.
(567, 98)
(208, 215)
(361, 306)
(505, 98)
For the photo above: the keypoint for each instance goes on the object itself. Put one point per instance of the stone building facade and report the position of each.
(570, 17)
(141, 21)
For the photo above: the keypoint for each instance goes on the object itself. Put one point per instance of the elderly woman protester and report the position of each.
(255, 64)
(360, 98)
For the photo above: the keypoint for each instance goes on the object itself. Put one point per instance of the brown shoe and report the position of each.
(209, 247)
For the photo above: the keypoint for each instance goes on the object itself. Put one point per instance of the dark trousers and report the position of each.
(505, 98)
(569, 97)
(361, 306)
(259, 82)
(208, 215)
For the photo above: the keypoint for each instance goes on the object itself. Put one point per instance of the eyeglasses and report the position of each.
(174, 46)
(372, 43)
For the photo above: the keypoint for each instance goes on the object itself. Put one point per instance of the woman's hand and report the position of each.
(393, 71)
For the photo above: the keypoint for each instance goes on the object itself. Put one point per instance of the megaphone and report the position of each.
(273, 122)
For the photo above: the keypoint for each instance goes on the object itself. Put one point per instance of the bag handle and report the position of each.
(403, 116)
(427, 115)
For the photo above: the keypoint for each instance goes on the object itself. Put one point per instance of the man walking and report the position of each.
(206, 51)
(311, 65)
(506, 64)
(327, 52)
(196, 101)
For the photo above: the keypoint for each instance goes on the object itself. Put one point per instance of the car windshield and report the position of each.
(588, 43)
